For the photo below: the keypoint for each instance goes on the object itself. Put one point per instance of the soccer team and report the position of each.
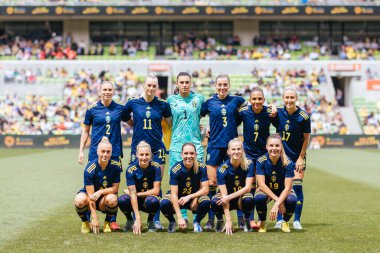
(249, 174)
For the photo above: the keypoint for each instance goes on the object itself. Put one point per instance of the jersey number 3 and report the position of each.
(224, 121)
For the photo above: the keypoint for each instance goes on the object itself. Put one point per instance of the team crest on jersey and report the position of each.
(208, 157)
(188, 184)
(147, 114)
(237, 182)
(273, 178)
(286, 127)
(256, 127)
(108, 119)
(224, 111)
(145, 185)
(105, 184)
(194, 103)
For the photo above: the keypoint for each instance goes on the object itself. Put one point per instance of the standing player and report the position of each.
(101, 185)
(148, 112)
(185, 108)
(188, 190)
(274, 174)
(144, 183)
(294, 127)
(235, 178)
(256, 119)
(104, 117)
(222, 109)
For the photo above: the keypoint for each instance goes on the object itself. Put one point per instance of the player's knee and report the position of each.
(124, 203)
(111, 200)
(247, 202)
(152, 204)
(204, 203)
(165, 206)
(260, 198)
(214, 205)
(291, 199)
(80, 200)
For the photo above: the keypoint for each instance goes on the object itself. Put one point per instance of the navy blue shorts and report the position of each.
(216, 156)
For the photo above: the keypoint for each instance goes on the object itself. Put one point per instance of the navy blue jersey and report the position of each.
(147, 117)
(101, 179)
(106, 121)
(255, 130)
(291, 128)
(274, 174)
(143, 179)
(187, 181)
(223, 119)
(234, 179)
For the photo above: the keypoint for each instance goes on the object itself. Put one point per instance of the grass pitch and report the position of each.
(341, 209)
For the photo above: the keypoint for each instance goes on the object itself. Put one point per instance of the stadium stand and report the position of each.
(62, 113)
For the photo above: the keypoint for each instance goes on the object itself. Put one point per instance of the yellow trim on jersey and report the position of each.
(243, 108)
(262, 158)
(132, 169)
(92, 105)
(153, 163)
(203, 198)
(200, 164)
(176, 168)
(247, 195)
(304, 115)
(117, 163)
(91, 168)
(131, 98)
(260, 193)
(223, 168)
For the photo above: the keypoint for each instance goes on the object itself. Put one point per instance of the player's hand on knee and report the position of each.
(183, 200)
(300, 164)
(228, 227)
(95, 196)
(223, 200)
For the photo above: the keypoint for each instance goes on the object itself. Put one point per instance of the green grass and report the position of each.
(341, 210)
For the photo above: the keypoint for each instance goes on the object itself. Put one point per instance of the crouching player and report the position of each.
(188, 190)
(144, 181)
(274, 173)
(101, 184)
(235, 177)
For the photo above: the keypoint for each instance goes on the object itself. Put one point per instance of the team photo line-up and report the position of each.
(248, 174)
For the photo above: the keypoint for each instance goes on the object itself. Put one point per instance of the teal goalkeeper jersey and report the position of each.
(186, 113)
